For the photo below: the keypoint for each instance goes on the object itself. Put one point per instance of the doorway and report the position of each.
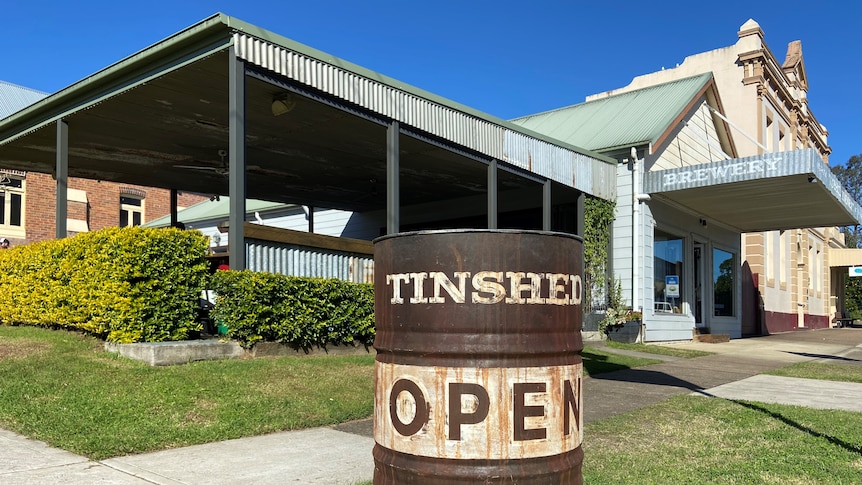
(698, 285)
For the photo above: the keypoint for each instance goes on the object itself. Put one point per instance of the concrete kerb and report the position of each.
(185, 351)
(173, 353)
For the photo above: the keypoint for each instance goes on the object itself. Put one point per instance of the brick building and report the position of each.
(28, 199)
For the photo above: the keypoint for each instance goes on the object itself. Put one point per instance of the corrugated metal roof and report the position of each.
(14, 98)
(518, 145)
(418, 110)
(215, 209)
(628, 119)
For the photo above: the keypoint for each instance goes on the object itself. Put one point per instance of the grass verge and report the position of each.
(692, 439)
(828, 372)
(64, 389)
(597, 361)
(658, 350)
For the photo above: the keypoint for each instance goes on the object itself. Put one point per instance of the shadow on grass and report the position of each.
(643, 376)
(824, 356)
(598, 363)
(831, 439)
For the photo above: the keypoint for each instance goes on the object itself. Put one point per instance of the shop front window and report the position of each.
(668, 264)
(723, 269)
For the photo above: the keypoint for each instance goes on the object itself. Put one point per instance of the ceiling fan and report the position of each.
(223, 170)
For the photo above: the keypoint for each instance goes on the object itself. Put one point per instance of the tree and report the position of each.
(850, 175)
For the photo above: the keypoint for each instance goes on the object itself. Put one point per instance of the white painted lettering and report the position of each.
(558, 283)
(577, 289)
(418, 287)
(488, 289)
(515, 287)
(718, 172)
(395, 280)
(443, 281)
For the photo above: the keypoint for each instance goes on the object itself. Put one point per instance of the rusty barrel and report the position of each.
(478, 369)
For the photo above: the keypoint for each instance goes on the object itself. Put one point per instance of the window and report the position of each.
(770, 268)
(131, 211)
(784, 260)
(12, 203)
(768, 138)
(668, 265)
(776, 258)
(815, 265)
(723, 271)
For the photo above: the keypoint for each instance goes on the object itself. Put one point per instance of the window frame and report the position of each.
(131, 210)
(734, 282)
(7, 229)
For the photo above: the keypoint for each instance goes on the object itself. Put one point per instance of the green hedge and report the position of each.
(121, 284)
(297, 311)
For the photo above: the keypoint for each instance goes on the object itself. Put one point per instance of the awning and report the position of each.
(784, 190)
(844, 258)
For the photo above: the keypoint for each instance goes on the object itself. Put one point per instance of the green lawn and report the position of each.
(64, 389)
(701, 440)
(828, 372)
(658, 349)
(597, 361)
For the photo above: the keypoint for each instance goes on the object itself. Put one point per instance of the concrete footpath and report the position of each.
(342, 454)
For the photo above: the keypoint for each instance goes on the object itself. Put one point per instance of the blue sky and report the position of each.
(503, 57)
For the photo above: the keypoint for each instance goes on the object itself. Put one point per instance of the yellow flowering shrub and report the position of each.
(122, 284)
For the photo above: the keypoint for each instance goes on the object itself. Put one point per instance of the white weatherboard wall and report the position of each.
(622, 233)
(695, 143)
(669, 326)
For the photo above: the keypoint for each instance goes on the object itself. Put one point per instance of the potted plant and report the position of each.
(620, 324)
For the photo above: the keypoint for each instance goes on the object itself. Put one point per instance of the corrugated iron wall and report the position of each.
(289, 259)
(491, 139)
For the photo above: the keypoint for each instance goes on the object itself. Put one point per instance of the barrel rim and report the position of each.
(479, 231)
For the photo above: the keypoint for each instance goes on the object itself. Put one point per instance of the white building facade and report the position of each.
(785, 272)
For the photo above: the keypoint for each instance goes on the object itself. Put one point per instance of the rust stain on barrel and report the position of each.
(483, 328)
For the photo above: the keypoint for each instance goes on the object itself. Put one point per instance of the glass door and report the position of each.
(698, 285)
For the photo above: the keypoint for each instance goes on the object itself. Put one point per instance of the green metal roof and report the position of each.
(201, 40)
(622, 120)
(185, 77)
(215, 210)
(14, 98)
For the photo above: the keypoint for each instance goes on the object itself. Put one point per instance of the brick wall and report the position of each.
(101, 210)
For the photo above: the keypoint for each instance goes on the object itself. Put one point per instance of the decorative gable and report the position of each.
(794, 66)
